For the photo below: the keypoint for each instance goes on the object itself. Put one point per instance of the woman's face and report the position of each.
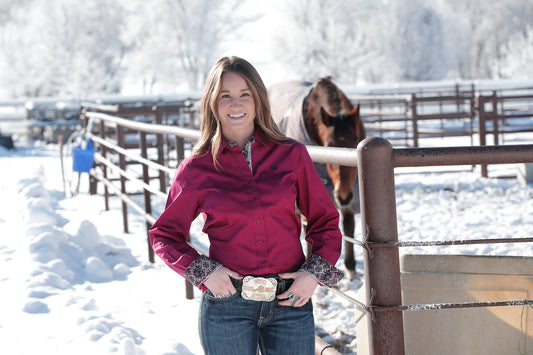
(236, 108)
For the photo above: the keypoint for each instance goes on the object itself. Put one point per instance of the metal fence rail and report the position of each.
(376, 160)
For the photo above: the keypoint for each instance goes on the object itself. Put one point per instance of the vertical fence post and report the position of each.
(415, 120)
(379, 224)
(147, 194)
(482, 119)
(104, 167)
(495, 118)
(472, 99)
(160, 150)
(122, 164)
(180, 150)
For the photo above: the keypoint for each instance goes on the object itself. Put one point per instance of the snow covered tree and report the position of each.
(354, 40)
(79, 48)
(175, 41)
(320, 38)
(416, 46)
(492, 24)
(63, 47)
(517, 56)
(394, 40)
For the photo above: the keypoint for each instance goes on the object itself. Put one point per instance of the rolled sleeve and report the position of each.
(322, 271)
(200, 270)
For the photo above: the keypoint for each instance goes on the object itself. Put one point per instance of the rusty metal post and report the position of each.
(482, 119)
(147, 194)
(160, 151)
(180, 149)
(495, 118)
(191, 119)
(415, 120)
(189, 290)
(104, 167)
(472, 115)
(379, 224)
(122, 164)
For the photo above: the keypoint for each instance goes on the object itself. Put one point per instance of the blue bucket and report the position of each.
(83, 159)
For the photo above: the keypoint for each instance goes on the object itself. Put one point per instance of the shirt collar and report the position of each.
(258, 136)
(233, 144)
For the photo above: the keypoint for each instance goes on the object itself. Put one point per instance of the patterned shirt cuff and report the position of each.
(200, 269)
(322, 270)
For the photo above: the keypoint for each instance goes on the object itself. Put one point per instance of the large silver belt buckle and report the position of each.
(259, 288)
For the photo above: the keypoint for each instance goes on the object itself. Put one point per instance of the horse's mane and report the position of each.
(327, 94)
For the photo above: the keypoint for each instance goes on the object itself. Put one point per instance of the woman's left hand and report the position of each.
(301, 290)
(219, 282)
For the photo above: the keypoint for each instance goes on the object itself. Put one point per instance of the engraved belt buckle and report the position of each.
(259, 288)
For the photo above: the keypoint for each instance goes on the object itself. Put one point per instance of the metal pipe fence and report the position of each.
(376, 160)
(479, 115)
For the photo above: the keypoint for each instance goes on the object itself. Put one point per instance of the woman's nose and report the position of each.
(234, 102)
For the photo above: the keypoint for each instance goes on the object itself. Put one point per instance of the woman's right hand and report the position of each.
(219, 282)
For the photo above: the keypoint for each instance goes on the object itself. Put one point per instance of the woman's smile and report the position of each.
(238, 115)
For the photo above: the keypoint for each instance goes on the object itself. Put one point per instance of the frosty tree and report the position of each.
(176, 41)
(517, 56)
(354, 40)
(80, 48)
(416, 44)
(491, 25)
(62, 47)
(320, 38)
(396, 40)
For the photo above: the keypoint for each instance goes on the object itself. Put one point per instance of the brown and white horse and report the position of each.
(322, 115)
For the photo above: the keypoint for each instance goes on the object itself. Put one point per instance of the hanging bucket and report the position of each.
(83, 159)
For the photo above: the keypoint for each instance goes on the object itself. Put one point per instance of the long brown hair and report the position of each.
(210, 128)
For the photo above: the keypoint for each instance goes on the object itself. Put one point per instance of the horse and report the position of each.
(322, 115)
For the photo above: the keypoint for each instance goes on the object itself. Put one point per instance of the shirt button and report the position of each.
(258, 220)
(260, 242)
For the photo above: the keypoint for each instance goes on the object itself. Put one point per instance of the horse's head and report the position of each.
(343, 130)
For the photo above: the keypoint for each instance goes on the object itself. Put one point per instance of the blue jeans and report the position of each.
(233, 325)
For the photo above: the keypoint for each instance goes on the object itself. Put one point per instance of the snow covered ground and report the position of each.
(73, 283)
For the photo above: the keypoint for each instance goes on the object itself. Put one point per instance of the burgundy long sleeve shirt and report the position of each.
(249, 210)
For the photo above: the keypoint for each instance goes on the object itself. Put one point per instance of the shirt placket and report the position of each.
(258, 219)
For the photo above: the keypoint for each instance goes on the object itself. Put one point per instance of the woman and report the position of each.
(246, 178)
